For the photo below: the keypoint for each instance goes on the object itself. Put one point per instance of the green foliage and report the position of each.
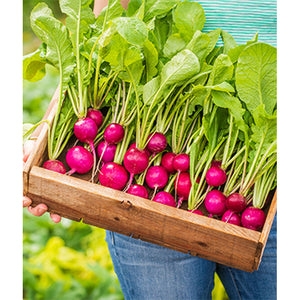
(69, 260)
(36, 96)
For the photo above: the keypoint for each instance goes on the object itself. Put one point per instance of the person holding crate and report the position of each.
(148, 271)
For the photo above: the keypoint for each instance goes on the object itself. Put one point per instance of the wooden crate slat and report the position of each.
(150, 221)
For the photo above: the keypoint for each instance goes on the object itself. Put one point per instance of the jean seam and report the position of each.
(127, 287)
(233, 280)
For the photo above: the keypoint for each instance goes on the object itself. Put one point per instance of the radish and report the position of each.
(231, 217)
(181, 162)
(113, 175)
(79, 160)
(95, 115)
(106, 152)
(133, 145)
(113, 133)
(215, 176)
(86, 130)
(253, 218)
(167, 162)
(236, 202)
(55, 165)
(156, 177)
(197, 212)
(157, 143)
(165, 198)
(216, 163)
(135, 161)
(215, 203)
(138, 190)
(182, 187)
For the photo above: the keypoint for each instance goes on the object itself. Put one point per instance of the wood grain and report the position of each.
(177, 229)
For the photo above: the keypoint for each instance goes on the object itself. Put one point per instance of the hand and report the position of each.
(41, 208)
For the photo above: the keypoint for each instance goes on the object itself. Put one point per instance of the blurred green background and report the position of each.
(69, 260)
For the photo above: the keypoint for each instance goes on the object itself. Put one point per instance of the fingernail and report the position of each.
(26, 202)
(41, 210)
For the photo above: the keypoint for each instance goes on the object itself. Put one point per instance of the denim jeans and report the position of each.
(148, 271)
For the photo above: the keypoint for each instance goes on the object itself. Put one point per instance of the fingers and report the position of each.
(26, 201)
(39, 210)
(55, 218)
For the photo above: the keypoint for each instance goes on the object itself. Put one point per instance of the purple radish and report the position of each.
(135, 161)
(253, 218)
(113, 175)
(113, 133)
(79, 160)
(106, 152)
(156, 177)
(182, 187)
(215, 203)
(167, 162)
(55, 165)
(215, 176)
(181, 162)
(157, 143)
(231, 217)
(165, 198)
(95, 115)
(236, 202)
(138, 190)
(197, 212)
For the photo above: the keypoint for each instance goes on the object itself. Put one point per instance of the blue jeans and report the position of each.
(147, 271)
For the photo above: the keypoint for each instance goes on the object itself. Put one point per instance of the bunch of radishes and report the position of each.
(158, 111)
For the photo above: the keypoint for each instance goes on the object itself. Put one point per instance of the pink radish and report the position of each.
(167, 162)
(215, 176)
(181, 162)
(165, 198)
(133, 145)
(253, 218)
(157, 143)
(236, 202)
(95, 115)
(156, 177)
(113, 175)
(107, 152)
(197, 212)
(231, 217)
(113, 133)
(86, 131)
(182, 187)
(135, 161)
(138, 190)
(55, 165)
(79, 160)
(215, 203)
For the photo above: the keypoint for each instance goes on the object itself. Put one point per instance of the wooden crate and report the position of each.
(75, 198)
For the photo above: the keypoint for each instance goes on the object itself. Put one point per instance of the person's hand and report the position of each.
(41, 208)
